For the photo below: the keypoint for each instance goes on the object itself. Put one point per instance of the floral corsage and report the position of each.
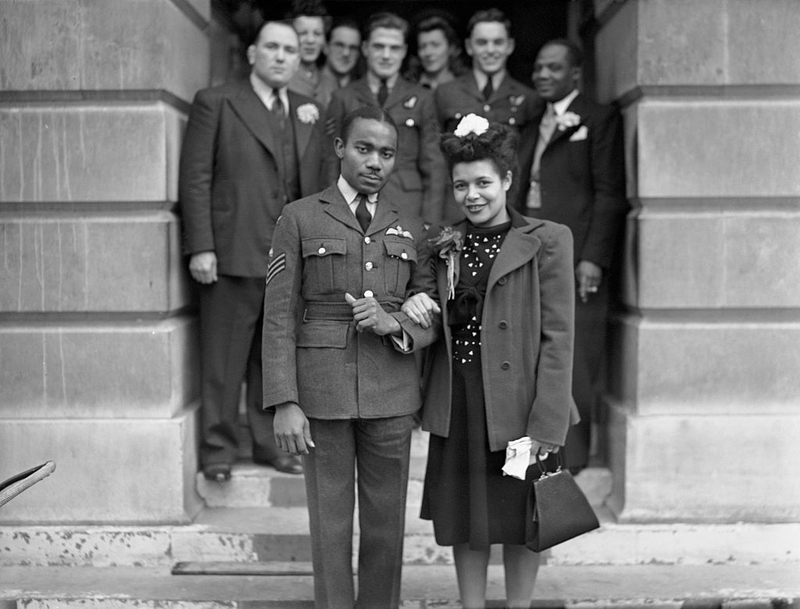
(448, 244)
(567, 120)
(308, 114)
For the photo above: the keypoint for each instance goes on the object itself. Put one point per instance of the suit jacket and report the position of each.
(512, 104)
(419, 170)
(231, 186)
(526, 351)
(312, 353)
(582, 179)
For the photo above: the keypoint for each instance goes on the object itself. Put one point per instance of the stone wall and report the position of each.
(705, 416)
(98, 353)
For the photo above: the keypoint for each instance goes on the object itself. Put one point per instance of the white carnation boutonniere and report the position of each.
(471, 123)
(308, 114)
(567, 120)
(448, 245)
(410, 102)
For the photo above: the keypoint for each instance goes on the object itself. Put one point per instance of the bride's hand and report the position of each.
(421, 308)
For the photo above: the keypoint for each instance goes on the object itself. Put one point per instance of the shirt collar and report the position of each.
(481, 78)
(265, 92)
(349, 193)
(562, 104)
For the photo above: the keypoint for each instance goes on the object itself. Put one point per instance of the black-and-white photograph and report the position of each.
(399, 304)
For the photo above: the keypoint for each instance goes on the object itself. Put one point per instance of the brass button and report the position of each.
(404, 256)
(368, 294)
(486, 107)
(409, 122)
(367, 240)
(368, 266)
(321, 250)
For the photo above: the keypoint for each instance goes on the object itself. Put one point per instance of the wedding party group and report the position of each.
(384, 242)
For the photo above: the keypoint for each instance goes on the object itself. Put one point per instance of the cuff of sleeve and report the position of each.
(404, 342)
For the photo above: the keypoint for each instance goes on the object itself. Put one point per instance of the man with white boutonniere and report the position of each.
(244, 146)
(572, 171)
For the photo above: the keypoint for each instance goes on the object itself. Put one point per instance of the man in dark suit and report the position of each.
(242, 151)
(337, 350)
(417, 182)
(488, 90)
(572, 171)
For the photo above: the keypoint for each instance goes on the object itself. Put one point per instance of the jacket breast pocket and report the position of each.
(401, 256)
(325, 271)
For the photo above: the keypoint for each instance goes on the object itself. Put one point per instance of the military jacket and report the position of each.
(512, 104)
(312, 353)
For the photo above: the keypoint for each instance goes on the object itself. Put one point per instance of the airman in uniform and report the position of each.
(416, 185)
(487, 90)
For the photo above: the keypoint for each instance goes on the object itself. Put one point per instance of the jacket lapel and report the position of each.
(337, 207)
(385, 216)
(469, 86)
(398, 93)
(574, 107)
(256, 117)
(519, 247)
(302, 131)
(362, 91)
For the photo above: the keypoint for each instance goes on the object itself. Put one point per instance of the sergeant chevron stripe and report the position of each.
(276, 265)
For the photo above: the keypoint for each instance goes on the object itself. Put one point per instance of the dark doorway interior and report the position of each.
(533, 21)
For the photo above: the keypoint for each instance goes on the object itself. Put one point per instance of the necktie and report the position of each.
(277, 107)
(383, 92)
(546, 128)
(488, 90)
(362, 213)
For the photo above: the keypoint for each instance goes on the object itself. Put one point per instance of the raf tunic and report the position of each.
(512, 103)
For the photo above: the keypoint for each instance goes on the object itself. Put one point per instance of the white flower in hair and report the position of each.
(471, 123)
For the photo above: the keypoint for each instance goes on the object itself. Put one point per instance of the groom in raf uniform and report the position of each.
(572, 171)
(337, 347)
(244, 145)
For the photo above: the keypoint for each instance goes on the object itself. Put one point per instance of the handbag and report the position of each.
(557, 509)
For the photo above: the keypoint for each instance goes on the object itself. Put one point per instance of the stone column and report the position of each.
(98, 366)
(705, 399)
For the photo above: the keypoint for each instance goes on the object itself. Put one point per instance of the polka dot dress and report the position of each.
(481, 247)
(466, 495)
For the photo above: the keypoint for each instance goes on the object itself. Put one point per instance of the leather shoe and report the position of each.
(287, 464)
(217, 472)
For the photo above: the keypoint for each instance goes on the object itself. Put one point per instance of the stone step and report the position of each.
(423, 587)
(281, 534)
(261, 486)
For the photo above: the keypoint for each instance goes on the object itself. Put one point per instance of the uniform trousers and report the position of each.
(372, 456)
(231, 318)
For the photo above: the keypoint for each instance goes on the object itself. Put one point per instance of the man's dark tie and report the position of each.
(488, 90)
(277, 107)
(362, 213)
(383, 92)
